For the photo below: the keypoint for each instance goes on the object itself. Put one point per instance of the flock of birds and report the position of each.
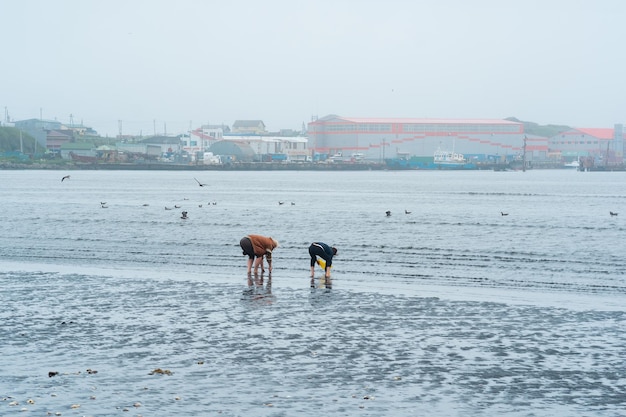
(280, 203)
(103, 204)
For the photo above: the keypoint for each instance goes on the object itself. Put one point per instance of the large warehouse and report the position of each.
(381, 138)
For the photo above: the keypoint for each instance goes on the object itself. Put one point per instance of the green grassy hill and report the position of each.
(10, 141)
(540, 130)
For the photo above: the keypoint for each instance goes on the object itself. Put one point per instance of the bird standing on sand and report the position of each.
(67, 177)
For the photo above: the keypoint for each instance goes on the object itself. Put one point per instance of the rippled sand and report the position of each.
(158, 347)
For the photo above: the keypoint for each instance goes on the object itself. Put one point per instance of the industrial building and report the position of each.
(378, 139)
(597, 145)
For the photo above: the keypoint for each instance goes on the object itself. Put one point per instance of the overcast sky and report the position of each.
(180, 63)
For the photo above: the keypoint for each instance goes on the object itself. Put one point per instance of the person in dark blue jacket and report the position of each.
(323, 251)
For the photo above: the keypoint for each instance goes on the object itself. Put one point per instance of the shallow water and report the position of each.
(450, 310)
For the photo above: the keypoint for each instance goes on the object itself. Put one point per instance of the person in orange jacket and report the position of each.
(256, 247)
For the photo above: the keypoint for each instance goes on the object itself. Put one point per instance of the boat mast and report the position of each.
(524, 155)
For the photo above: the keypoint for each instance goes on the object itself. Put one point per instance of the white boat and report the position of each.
(338, 157)
(442, 157)
(573, 164)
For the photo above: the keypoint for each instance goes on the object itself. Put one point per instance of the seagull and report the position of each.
(280, 203)
(103, 205)
(407, 212)
(504, 214)
(67, 177)
(167, 208)
(199, 183)
(293, 204)
(388, 213)
(613, 213)
(176, 206)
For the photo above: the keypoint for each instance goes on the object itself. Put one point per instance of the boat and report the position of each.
(338, 157)
(448, 158)
(444, 159)
(441, 160)
(574, 164)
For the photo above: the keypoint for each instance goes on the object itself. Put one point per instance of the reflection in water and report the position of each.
(257, 292)
(323, 282)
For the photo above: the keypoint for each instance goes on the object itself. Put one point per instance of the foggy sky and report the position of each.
(176, 64)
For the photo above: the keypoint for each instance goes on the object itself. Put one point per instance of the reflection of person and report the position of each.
(256, 247)
(257, 292)
(323, 251)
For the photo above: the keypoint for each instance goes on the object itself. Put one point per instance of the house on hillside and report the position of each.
(80, 130)
(57, 138)
(201, 139)
(249, 127)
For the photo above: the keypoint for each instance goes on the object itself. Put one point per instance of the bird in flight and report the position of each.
(199, 183)
(67, 177)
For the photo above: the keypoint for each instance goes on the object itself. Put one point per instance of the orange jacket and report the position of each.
(262, 245)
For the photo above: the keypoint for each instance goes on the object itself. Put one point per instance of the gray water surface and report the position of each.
(452, 310)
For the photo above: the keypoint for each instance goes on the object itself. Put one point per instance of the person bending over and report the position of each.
(256, 247)
(323, 251)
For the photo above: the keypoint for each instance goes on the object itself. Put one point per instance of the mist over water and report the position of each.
(452, 309)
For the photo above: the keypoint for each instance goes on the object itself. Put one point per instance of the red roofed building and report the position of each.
(382, 138)
(602, 145)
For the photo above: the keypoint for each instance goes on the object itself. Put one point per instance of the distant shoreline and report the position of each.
(240, 166)
(264, 166)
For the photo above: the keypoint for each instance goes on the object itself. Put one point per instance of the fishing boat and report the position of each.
(338, 157)
(447, 157)
(443, 159)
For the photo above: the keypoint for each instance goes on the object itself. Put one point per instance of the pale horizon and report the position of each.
(156, 65)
